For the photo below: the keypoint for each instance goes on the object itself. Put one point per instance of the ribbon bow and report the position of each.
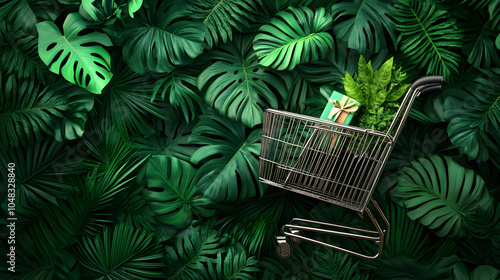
(344, 105)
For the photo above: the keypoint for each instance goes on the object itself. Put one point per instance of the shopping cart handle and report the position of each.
(427, 80)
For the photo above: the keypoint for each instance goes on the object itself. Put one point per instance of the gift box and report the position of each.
(340, 108)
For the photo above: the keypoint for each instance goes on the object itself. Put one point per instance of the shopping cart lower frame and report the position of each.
(332, 162)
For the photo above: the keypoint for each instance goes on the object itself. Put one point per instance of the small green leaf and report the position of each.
(382, 77)
(352, 89)
(396, 92)
(365, 71)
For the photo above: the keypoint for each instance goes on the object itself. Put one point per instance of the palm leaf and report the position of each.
(192, 253)
(18, 54)
(158, 39)
(80, 59)
(492, 6)
(235, 265)
(474, 110)
(360, 19)
(294, 36)
(228, 158)
(221, 16)
(28, 111)
(171, 193)
(237, 86)
(126, 101)
(428, 39)
(25, 14)
(121, 252)
(182, 90)
(42, 171)
(85, 212)
(442, 195)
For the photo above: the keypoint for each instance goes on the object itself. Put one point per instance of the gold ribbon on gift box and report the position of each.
(345, 105)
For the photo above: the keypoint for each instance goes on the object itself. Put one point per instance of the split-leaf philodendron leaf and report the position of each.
(78, 56)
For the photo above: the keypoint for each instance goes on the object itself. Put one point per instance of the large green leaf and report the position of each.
(429, 39)
(121, 252)
(79, 58)
(294, 36)
(442, 195)
(221, 16)
(158, 40)
(474, 110)
(228, 158)
(171, 192)
(363, 24)
(235, 264)
(237, 86)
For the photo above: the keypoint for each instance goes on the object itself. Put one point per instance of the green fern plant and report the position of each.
(221, 16)
(429, 39)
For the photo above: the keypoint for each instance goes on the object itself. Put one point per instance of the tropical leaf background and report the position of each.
(130, 133)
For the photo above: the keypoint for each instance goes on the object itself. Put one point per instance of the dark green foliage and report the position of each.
(474, 110)
(221, 16)
(228, 158)
(294, 36)
(121, 252)
(359, 19)
(158, 40)
(237, 86)
(429, 38)
(157, 176)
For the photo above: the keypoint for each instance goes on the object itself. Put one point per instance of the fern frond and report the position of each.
(220, 16)
(429, 39)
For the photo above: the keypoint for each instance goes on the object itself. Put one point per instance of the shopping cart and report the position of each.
(332, 162)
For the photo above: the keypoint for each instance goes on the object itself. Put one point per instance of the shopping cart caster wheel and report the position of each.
(296, 240)
(284, 250)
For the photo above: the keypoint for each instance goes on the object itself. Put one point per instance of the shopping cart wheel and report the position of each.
(296, 240)
(284, 250)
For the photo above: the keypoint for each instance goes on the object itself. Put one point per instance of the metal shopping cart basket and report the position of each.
(332, 162)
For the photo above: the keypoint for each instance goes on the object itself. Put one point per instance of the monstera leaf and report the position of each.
(294, 36)
(79, 58)
(363, 24)
(171, 192)
(429, 39)
(230, 165)
(474, 110)
(442, 195)
(157, 39)
(237, 86)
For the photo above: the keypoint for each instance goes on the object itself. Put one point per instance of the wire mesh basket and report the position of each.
(332, 162)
